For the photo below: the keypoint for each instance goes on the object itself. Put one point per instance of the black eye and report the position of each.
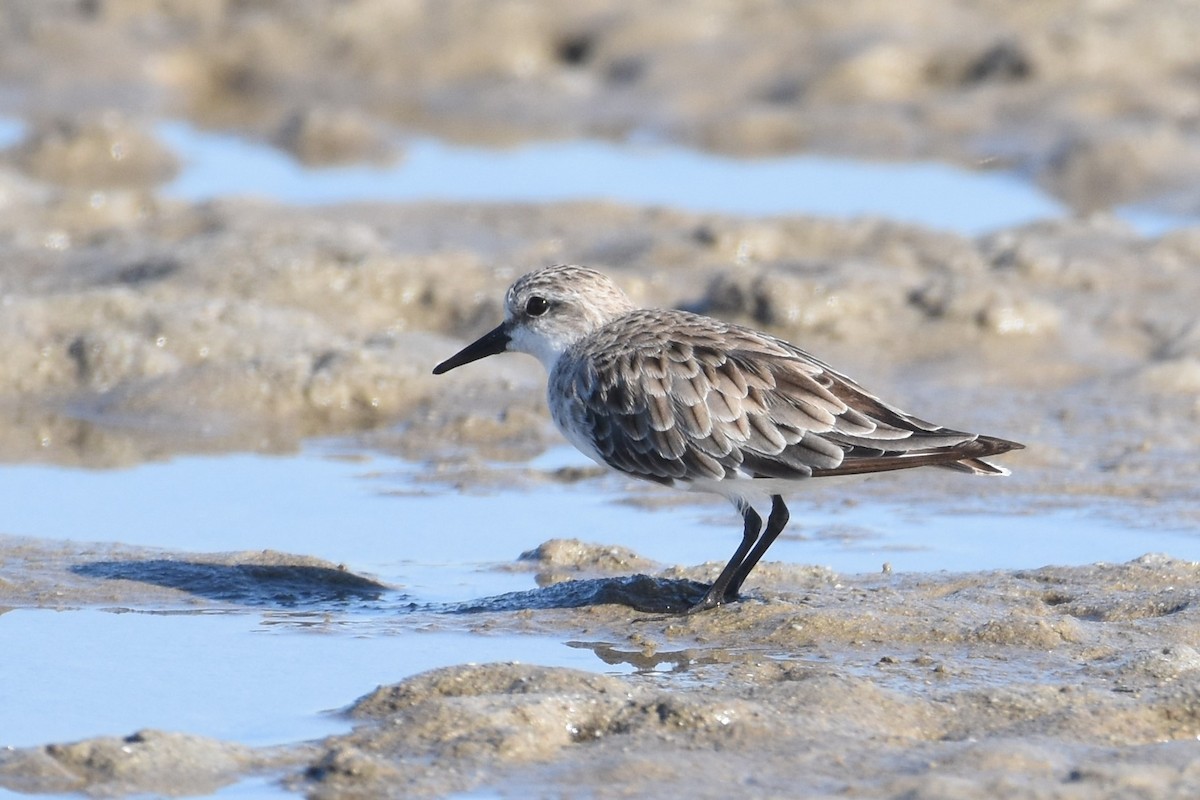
(536, 306)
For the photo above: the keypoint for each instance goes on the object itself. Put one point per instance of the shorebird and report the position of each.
(687, 400)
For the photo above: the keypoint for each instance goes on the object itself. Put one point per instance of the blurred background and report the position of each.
(1095, 101)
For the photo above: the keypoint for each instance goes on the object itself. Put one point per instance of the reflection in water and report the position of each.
(643, 661)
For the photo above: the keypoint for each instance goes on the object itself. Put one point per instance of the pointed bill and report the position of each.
(491, 343)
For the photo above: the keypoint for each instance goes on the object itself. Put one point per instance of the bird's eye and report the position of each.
(536, 306)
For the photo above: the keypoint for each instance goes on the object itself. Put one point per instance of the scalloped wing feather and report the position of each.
(667, 395)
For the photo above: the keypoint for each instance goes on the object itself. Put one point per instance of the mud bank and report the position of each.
(1055, 682)
(1097, 101)
(142, 327)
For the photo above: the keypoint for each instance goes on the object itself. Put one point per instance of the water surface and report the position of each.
(927, 193)
(259, 674)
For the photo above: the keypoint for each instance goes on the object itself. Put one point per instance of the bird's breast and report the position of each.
(567, 411)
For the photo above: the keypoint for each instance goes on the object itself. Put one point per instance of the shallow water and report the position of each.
(246, 677)
(371, 514)
(258, 674)
(932, 194)
(928, 193)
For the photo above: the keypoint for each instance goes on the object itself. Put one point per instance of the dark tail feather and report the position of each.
(964, 457)
(975, 466)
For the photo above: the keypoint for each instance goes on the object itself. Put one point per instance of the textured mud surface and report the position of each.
(136, 328)
(1055, 682)
(234, 326)
(1098, 101)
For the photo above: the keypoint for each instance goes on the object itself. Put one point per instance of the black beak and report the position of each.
(495, 341)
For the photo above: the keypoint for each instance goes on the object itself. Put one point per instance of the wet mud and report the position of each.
(235, 325)
(1052, 682)
(134, 327)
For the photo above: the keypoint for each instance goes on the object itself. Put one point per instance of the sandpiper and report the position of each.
(687, 400)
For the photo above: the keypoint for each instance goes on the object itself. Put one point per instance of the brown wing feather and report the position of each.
(670, 395)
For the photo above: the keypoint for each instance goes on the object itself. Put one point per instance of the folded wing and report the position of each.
(718, 399)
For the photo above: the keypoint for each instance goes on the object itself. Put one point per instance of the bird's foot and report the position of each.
(710, 600)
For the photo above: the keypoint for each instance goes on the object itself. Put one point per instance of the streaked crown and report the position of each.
(550, 309)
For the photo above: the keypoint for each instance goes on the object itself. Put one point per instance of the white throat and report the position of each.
(546, 349)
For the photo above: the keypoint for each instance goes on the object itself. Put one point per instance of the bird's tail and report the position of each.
(973, 453)
(968, 456)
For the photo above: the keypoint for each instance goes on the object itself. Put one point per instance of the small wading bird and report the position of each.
(682, 399)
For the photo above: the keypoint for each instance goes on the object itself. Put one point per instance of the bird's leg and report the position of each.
(718, 593)
(775, 525)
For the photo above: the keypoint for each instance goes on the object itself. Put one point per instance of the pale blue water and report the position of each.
(232, 676)
(927, 193)
(11, 131)
(440, 544)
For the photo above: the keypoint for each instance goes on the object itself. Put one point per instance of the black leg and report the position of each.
(718, 593)
(775, 525)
